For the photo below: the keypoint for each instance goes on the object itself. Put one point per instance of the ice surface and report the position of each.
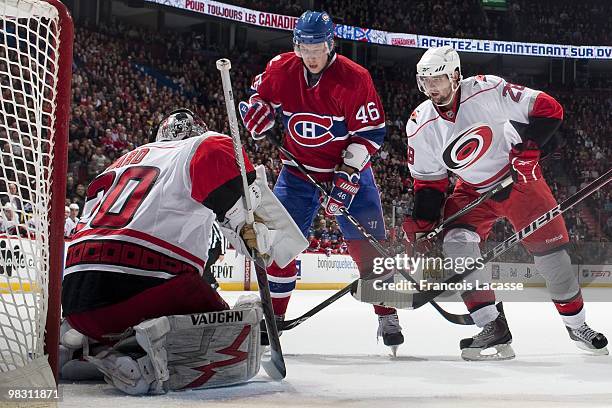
(333, 359)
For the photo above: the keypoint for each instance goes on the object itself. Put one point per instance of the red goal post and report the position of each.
(36, 38)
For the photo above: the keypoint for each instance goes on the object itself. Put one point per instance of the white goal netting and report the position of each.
(29, 65)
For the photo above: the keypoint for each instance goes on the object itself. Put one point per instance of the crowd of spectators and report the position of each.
(126, 79)
(546, 21)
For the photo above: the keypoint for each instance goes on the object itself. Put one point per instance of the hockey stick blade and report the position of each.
(364, 291)
(464, 319)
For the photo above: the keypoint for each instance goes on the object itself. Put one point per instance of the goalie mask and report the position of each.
(180, 124)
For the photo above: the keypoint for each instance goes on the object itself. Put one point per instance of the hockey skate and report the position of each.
(496, 335)
(390, 331)
(588, 339)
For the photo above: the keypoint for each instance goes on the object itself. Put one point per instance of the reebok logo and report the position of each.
(524, 162)
(557, 238)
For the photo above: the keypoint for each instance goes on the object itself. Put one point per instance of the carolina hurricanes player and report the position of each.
(482, 129)
(334, 121)
(137, 259)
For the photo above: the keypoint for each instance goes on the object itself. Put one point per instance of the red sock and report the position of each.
(477, 299)
(363, 254)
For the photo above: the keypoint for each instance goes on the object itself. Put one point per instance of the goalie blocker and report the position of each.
(133, 270)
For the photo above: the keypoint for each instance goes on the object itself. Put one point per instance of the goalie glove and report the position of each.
(254, 236)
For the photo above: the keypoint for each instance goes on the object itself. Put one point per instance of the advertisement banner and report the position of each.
(517, 48)
(315, 270)
(402, 40)
(364, 34)
(595, 275)
(323, 269)
(17, 263)
(234, 13)
(515, 272)
(360, 34)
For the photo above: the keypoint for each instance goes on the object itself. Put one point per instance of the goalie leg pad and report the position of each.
(130, 375)
(180, 352)
(139, 364)
(215, 349)
(73, 349)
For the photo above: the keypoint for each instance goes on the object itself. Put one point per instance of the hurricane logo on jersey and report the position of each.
(310, 130)
(468, 147)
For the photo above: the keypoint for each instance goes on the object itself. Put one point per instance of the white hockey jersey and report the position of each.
(151, 212)
(474, 139)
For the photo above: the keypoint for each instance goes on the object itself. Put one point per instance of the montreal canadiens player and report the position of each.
(135, 264)
(482, 129)
(333, 121)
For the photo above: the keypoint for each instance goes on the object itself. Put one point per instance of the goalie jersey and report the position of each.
(148, 218)
(474, 139)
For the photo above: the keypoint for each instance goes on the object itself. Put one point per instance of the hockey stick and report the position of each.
(275, 367)
(289, 324)
(416, 300)
(465, 319)
(483, 197)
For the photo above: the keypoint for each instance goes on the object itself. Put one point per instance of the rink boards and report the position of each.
(315, 270)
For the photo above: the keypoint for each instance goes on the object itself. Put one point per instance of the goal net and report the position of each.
(35, 71)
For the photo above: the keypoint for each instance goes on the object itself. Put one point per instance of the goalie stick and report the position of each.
(464, 319)
(275, 367)
(416, 300)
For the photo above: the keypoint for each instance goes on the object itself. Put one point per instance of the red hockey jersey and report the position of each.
(320, 121)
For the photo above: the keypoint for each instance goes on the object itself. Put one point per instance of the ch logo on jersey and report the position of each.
(310, 130)
(468, 147)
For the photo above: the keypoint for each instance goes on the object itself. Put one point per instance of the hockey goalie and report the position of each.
(134, 299)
